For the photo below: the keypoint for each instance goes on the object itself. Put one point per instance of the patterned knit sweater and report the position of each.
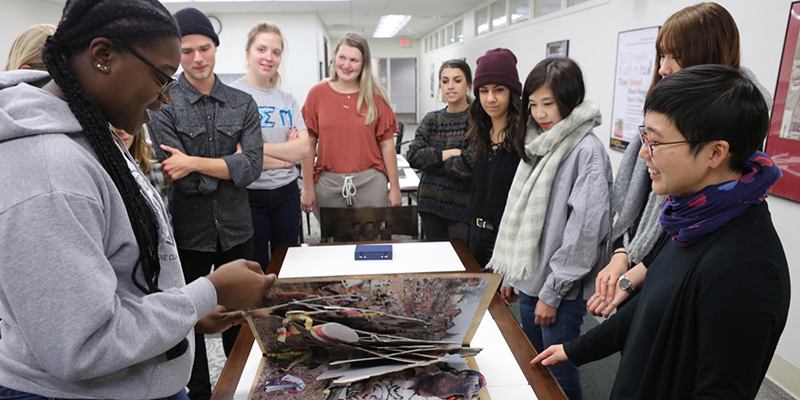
(445, 186)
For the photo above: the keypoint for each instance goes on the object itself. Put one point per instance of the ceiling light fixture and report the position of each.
(390, 25)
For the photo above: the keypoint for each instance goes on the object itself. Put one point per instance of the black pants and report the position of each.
(197, 264)
(436, 227)
(276, 219)
(481, 243)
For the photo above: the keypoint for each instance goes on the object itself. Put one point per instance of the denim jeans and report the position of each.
(6, 393)
(569, 318)
(276, 219)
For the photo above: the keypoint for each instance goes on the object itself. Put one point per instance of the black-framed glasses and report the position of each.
(169, 84)
(649, 143)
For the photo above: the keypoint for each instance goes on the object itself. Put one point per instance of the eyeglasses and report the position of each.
(649, 143)
(169, 84)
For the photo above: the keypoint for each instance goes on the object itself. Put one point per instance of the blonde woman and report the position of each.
(26, 51)
(274, 196)
(349, 115)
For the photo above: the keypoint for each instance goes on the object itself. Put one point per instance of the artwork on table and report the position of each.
(356, 337)
(783, 140)
(636, 63)
(559, 49)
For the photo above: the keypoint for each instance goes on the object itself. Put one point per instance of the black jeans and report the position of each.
(481, 243)
(197, 264)
(276, 219)
(436, 227)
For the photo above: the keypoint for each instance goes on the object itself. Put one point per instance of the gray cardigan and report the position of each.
(576, 227)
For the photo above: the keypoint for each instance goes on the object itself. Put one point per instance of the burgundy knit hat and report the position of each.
(497, 67)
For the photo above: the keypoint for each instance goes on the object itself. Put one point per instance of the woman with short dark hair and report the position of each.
(688, 333)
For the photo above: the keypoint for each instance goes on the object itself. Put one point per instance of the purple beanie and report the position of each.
(497, 67)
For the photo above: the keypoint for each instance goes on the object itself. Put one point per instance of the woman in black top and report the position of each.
(689, 333)
(493, 140)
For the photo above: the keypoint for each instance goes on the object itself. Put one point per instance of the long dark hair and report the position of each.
(137, 22)
(480, 124)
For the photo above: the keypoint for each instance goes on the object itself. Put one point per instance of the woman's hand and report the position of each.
(219, 321)
(552, 355)
(308, 200)
(598, 306)
(450, 153)
(395, 199)
(508, 295)
(240, 284)
(606, 281)
(545, 315)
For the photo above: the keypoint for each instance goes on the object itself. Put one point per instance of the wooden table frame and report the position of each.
(539, 377)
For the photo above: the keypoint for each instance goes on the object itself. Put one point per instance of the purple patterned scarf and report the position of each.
(688, 219)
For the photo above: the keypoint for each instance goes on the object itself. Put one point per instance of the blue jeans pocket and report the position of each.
(6, 393)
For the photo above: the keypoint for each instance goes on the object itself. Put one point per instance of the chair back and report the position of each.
(398, 142)
(350, 223)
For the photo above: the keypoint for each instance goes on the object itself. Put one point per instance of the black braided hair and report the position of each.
(136, 22)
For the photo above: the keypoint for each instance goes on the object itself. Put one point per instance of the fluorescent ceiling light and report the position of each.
(389, 25)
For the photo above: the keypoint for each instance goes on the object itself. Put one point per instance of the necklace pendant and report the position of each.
(345, 106)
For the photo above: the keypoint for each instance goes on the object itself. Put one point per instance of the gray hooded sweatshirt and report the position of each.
(74, 325)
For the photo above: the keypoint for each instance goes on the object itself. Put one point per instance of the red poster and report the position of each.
(783, 140)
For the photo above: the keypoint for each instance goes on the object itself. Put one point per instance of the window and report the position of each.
(544, 7)
(498, 14)
(521, 10)
(459, 31)
(576, 2)
(442, 38)
(450, 37)
(435, 39)
(482, 21)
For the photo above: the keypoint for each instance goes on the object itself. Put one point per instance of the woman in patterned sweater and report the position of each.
(437, 151)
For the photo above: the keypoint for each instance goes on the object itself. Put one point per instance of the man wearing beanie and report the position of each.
(209, 142)
(494, 116)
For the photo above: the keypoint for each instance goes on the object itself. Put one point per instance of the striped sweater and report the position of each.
(444, 187)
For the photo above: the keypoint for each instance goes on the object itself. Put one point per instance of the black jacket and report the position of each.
(707, 321)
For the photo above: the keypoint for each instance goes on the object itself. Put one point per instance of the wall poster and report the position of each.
(636, 61)
(783, 140)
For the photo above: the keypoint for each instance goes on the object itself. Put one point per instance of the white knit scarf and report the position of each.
(516, 251)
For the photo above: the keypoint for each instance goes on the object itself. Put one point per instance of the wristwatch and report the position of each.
(626, 285)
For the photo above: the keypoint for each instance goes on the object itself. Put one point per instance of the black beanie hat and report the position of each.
(193, 21)
(497, 67)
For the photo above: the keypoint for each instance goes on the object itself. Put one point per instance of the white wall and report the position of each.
(592, 31)
(18, 15)
(300, 65)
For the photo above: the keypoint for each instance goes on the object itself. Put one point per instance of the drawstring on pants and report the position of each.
(348, 189)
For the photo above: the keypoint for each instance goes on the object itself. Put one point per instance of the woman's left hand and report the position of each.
(395, 199)
(219, 320)
(545, 315)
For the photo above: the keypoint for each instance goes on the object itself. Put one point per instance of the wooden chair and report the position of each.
(351, 223)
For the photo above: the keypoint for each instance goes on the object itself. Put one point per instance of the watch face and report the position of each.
(624, 283)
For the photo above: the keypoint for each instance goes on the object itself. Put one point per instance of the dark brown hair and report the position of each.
(480, 124)
(704, 33)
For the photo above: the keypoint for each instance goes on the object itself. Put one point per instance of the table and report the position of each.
(409, 180)
(538, 378)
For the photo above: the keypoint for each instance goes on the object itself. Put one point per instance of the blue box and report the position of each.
(373, 252)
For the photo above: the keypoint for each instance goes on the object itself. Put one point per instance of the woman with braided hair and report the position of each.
(92, 298)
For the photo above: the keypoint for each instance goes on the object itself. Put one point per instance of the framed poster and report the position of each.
(783, 140)
(636, 62)
(559, 49)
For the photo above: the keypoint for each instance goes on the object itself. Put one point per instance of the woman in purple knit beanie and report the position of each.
(495, 146)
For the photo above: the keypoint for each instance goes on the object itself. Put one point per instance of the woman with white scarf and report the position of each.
(551, 238)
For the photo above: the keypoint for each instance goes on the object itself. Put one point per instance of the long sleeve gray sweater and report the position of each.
(74, 325)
